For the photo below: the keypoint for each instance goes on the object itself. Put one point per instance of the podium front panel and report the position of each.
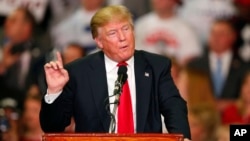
(112, 137)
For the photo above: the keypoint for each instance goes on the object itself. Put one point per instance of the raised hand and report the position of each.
(56, 75)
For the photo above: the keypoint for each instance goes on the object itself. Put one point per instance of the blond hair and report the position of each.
(198, 88)
(207, 116)
(109, 14)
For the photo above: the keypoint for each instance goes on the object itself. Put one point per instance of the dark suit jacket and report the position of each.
(84, 96)
(231, 88)
(9, 86)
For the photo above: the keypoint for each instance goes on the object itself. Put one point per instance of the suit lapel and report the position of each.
(99, 88)
(232, 74)
(143, 79)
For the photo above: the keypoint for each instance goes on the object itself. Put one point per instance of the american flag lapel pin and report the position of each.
(146, 74)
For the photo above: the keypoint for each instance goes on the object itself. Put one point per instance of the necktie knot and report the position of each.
(122, 64)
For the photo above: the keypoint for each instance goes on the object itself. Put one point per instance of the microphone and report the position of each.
(121, 79)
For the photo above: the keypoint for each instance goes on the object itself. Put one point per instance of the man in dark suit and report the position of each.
(80, 90)
(220, 62)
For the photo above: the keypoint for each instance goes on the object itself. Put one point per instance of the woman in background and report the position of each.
(194, 87)
(239, 112)
(30, 126)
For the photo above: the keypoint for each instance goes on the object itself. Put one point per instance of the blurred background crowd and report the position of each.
(208, 42)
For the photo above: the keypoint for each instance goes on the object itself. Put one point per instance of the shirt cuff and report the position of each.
(50, 98)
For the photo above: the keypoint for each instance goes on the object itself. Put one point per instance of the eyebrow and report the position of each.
(126, 25)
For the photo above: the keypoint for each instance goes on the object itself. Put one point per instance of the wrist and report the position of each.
(54, 90)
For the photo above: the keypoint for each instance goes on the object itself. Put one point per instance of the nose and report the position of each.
(121, 36)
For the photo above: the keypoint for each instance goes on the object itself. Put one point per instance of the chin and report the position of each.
(128, 56)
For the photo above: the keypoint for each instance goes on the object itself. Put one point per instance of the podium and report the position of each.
(112, 137)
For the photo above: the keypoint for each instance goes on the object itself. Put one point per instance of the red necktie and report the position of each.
(125, 114)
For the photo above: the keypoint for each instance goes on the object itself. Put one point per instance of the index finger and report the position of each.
(59, 58)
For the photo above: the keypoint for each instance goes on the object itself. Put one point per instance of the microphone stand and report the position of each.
(117, 93)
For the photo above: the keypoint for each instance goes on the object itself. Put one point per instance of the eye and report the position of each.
(126, 28)
(111, 33)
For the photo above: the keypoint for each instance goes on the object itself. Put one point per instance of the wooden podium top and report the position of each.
(112, 137)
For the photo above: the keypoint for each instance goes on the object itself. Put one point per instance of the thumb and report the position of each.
(65, 73)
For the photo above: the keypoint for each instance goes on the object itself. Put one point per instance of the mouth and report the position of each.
(124, 47)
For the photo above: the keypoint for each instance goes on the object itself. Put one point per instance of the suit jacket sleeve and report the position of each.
(56, 116)
(172, 105)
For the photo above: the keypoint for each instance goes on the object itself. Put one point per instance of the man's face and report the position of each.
(222, 37)
(17, 28)
(117, 41)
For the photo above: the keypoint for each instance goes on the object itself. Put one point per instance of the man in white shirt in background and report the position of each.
(201, 14)
(162, 32)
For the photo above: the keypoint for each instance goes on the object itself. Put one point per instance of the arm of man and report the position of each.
(54, 117)
(56, 114)
(172, 105)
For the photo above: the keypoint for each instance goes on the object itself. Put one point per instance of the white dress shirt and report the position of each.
(111, 73)
(226, 59)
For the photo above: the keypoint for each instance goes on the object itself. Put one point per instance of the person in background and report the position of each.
(163, 32)
(224, 67)
(195, 87)
(239, 112)
(76, 27)
(201, 14)
(137, 7)
(61, 9)
(193, 84)
(244, 50)
(204, 120)
(242, 22)
(30, 129)
(9, 119)
(72, 52)
(22, 60)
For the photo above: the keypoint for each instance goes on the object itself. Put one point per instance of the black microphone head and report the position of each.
(122, 70)
(124, 78)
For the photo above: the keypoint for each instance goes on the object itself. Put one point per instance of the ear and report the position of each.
(98, 42)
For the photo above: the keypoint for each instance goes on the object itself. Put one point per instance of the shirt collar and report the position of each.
(110, 64)
(227, 54)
